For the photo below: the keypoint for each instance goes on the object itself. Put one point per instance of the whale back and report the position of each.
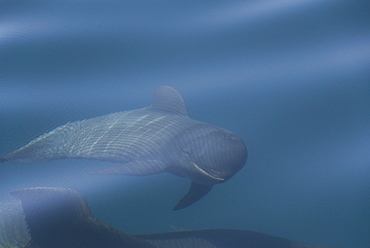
(118, 137)
(60, 218)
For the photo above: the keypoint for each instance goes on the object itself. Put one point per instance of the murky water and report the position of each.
(291, 78)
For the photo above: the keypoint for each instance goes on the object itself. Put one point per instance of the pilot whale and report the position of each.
(158, 138)
(61, 218)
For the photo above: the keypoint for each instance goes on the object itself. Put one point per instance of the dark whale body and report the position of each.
(61, 218)
(146, 141)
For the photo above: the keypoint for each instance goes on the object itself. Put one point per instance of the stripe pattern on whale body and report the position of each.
(158, 138)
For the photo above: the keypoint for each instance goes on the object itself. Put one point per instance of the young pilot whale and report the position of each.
(61, 218)
(146, 141)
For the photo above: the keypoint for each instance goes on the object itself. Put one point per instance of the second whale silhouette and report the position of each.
(146, 141)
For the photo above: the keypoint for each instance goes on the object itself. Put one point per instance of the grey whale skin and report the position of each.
(146, 141)
(61, 218)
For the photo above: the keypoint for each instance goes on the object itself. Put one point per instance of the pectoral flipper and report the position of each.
(196, 192)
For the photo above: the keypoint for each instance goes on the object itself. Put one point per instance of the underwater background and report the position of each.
(291, 78)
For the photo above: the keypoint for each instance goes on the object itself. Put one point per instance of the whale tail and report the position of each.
(46, 147)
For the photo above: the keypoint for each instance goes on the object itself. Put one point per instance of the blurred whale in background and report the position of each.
(60, 218)
(146, 141)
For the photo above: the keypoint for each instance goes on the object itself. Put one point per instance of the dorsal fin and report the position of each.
(61, 218)
(168, 99)
(46, 201)
(51, 211)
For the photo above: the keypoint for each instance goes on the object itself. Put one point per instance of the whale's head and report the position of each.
(215, 155)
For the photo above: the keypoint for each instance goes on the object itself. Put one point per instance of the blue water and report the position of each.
(292, 78)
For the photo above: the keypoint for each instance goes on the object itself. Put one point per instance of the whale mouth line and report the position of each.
(206, 173)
